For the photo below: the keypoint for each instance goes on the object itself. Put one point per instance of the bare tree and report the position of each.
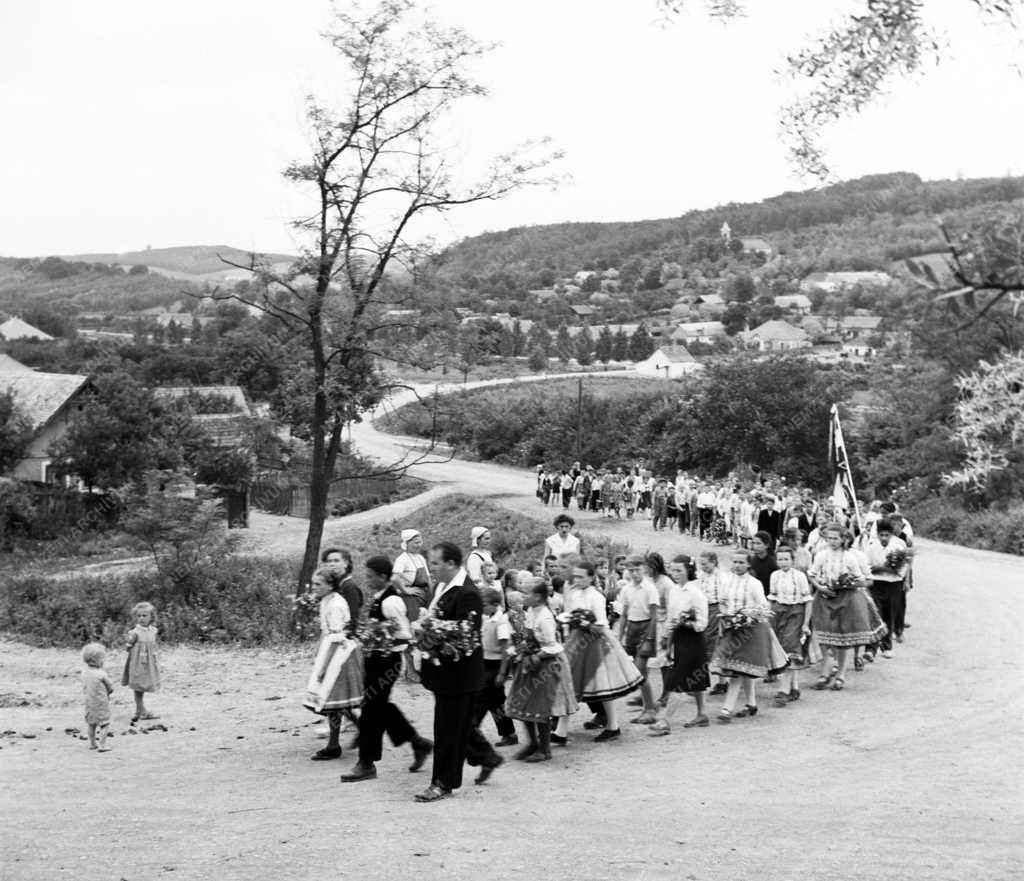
(377, 165)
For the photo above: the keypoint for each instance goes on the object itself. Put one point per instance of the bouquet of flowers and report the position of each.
(305, 611)
(581, 619)
(845, 581)
(688, 615)
(377, 637)
(895, 559)
(524, 644)
(442, 640)
(744, 619)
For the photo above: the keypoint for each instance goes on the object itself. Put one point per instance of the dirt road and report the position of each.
(912, 772)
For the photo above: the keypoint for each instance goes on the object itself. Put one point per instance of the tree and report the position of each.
(652, 278)
(506, 344)
(989, 426)
(735, 318)
(16, 508)
(518, 339)
(377, 167)
(537, 361)
(583, 347)
(603, 346)
(121, 432)
(850, 67)
(563, 344)
(538, 338)
(620, 345)
(641, 345)
(139, 269)
(740, 289)
(591, 284)
(15, 432)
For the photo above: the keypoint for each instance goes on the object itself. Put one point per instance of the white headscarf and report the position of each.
(407, 536)
(475, 533)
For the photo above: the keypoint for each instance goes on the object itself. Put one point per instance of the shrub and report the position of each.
(946, 519)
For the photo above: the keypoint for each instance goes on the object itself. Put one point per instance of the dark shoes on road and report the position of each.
(487, 770)
(421, 749)
(325, 754)
(360, 772)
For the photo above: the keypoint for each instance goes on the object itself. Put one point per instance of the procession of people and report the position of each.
(528, 647)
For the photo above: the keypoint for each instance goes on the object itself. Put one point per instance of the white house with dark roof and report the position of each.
(778, 336)
(668, 363)
(756, 245)
(47, 402)
(799, 303)
(698, 332)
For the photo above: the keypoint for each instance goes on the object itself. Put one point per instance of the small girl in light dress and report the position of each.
(141, 670)
(97, 688)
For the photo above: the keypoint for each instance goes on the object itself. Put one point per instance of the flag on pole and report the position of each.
(843, 493)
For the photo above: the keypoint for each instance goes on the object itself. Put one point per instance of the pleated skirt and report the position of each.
(542, 690)
(753, 651)
(848, 619)
(601, 669)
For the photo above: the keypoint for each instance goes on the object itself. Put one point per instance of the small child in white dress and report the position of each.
(96, 688)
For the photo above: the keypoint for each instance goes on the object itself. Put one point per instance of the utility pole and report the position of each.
(579, 421)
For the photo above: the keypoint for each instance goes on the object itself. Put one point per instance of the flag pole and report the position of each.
(837, 448)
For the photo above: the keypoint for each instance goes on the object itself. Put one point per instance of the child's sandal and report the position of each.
(724, 717)
(838, 684)
(823, 682)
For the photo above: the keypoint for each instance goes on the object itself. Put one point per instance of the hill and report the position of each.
(202, 262)
(865, 223)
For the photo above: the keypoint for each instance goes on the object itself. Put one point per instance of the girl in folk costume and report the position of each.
(412, 575)
(563, 543)
(749, 652)
(542, 685)
(657, 572)
(687, 617)
(843, 616)
(141, 670)
(479, 553)
(709, 582)
(791, 599)
(601, 669)
(336, 680)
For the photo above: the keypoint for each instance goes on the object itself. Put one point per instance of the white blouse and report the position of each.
(741, 592)
(790, 588)
(710, 584)
(540, 620)
(588, 598)
(828, 565)
(554, 545)
(334, 614)
(683, 598)
(475, 562)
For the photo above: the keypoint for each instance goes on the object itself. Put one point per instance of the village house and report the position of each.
(46, 402)
(756, 245)
(778, 336)
(16, 329)
(698, 332)
(798, 303)
(833, 282)
(10, 365)
(668, 363)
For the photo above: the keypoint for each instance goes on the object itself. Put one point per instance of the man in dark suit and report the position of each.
(455, 683)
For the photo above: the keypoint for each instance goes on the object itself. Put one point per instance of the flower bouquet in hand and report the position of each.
(845, 581)
(896, 559)
(581, 619)
(377, 637)
(744, 619)
(442, 640)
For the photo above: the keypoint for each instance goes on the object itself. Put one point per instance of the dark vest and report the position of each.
(376, 607)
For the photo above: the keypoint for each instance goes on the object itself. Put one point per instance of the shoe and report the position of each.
(697, 722)
(508, 740)
(558, 740)
(898, 637)
(644, 719)
(659, 729)
(720, 688)
(869, 657)
(781, 699)
(746, 711)
(838, 683)
(794, 694)
(887, 653)
(858, 665)
(325, 754)
(434, 792)
(607, 734)
(724, 717)
(823, 682)
(487, 770)
(421, 749)
(594, 724)
(538, 757)
(360, 772)
(525, 753)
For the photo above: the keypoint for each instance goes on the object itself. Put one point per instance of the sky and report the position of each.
(129, 124)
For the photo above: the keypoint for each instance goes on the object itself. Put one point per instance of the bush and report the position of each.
(946, 519)
(246, 599)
